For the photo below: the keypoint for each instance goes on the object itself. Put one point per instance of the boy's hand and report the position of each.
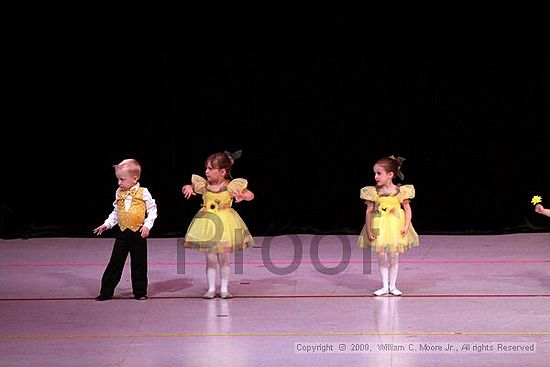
(144, 232)
(99, 230)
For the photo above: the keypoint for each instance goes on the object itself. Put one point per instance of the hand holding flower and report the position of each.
(536, 201)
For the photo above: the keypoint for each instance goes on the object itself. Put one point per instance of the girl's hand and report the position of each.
(188, 191)
(238, 196)
(241, 195)
(405, 230)
(371, 236)
(539, 208)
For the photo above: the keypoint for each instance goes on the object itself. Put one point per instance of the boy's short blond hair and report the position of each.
(131, 165)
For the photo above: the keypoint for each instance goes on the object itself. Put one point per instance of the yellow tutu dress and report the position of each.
(388, 218)
(217, 227)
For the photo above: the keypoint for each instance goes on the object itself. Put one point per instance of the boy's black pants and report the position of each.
(126, 242)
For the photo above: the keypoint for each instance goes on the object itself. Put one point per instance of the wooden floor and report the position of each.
(300, 300)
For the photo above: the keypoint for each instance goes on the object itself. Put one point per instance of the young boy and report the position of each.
(135, 212)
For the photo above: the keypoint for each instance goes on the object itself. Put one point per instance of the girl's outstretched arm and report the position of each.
(187, 191)
(245, 195)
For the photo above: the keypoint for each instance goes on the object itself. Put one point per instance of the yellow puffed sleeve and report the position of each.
(199, 184)
(406, 192)
(368, 193)
(237, 185)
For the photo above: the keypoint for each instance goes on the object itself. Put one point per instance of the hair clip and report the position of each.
(399, 161)
(235, 155)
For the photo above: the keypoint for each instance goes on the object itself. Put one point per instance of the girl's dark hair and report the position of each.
(220, 160)
(392, 164)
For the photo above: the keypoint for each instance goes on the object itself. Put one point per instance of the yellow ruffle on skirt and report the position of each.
(218, 231)
(387, 226)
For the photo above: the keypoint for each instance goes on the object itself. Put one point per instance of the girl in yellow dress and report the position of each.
(217, 229)
(388, 229)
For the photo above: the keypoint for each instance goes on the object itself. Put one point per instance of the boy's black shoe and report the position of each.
(141, 298)
(102, 298)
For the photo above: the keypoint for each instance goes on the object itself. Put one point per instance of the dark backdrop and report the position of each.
(312, 96)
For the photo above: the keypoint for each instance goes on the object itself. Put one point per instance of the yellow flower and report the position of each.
(536, 199)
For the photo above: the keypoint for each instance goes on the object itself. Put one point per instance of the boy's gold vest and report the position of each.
(135, 216)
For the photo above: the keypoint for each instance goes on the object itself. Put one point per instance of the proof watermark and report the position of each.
(303, 251)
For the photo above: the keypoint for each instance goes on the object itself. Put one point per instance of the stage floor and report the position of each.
(300, 300)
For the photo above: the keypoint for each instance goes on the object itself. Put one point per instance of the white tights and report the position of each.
(388, 265)
(212, 261)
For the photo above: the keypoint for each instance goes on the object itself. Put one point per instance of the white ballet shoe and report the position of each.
(209, 295)
(381, 291)
(225, 295)
(395, 292)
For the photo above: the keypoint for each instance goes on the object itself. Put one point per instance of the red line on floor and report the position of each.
(290, 296)
(287, 262)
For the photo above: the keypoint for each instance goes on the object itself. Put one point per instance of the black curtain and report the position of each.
(312, 97)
